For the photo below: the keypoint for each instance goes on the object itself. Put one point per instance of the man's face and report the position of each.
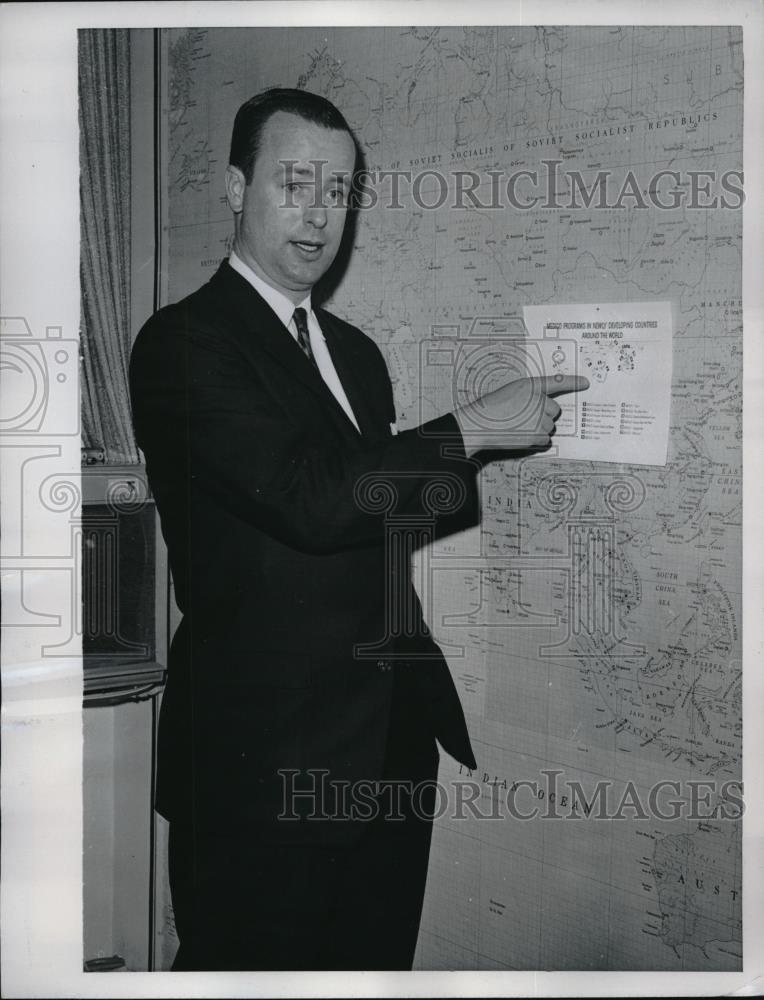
(291, 216)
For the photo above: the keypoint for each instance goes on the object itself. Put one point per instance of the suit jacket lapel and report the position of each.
(265, 331)
(352, 371)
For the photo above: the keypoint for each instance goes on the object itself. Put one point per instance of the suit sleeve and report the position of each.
(204, 416)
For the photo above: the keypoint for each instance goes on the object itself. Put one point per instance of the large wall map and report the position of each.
(592, 622)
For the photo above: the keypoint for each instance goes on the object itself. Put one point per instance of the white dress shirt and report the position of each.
(284, 309)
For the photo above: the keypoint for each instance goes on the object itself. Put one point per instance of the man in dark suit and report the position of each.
(297, 741)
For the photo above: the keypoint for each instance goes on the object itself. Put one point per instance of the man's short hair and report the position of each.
(254, 113)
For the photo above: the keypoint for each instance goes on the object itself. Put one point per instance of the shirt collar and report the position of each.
(279, 303)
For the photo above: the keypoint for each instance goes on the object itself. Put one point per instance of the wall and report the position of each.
(117, 832)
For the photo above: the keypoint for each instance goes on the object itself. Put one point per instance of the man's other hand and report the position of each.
(518, 416)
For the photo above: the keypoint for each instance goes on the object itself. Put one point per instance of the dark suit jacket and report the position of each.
(274, 511)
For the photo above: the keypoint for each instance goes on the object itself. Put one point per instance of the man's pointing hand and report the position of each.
(517, 416)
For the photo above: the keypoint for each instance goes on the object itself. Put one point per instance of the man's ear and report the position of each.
(234, 188)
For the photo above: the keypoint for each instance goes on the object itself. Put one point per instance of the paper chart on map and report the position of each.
(625, 350)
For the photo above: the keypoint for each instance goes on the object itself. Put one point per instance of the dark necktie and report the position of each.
(303, 337)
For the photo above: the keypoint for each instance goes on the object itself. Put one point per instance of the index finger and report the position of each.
(555, 385)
